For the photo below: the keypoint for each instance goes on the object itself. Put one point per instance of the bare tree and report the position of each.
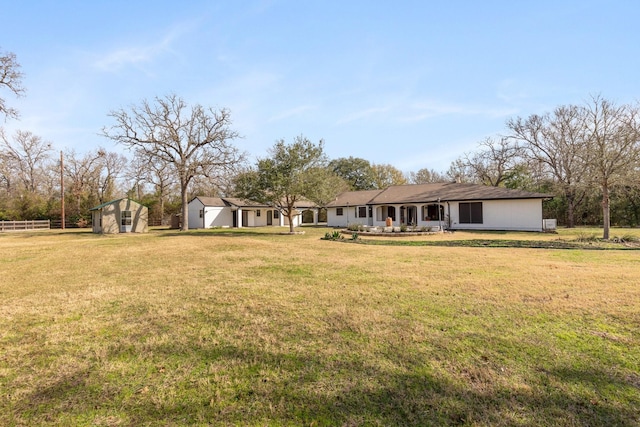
(192, 140)
(27, 158)
(558, 141)
(10, 78)
(613, 147)
(83, 174)
(425, 176)
(460, 172)
(110, 168)
(495, 161)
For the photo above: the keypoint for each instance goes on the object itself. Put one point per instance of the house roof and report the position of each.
(221, 202)
(112, 202)
(354, 198)
(244, 203)
(424, 193)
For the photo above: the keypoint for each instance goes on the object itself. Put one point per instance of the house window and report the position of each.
(470, 213)
(430, 212)
(362, 211)
(126, 218)
(201, 213)
(258, 212)
(276, 214)
(339, 212)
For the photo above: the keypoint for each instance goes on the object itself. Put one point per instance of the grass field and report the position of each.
(250, 327)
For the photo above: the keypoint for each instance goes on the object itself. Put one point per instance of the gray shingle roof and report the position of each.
(424, 193)
(354, 198)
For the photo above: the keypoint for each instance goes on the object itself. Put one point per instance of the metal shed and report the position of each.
(120, 216)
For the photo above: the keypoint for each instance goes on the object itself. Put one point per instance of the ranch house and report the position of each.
(440, 205)
(210, 212)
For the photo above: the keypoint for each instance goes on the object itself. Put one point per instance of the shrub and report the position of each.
(586, 237)
(336, 235)
(627, 238)
(355, 227)
(354, 236)
(403, 228)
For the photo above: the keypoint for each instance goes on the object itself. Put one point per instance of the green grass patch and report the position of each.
(252, 327)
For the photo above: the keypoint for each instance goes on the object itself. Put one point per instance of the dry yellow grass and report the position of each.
(250, 327)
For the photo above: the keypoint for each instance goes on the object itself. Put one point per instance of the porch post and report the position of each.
(315, 216)
(239, 217)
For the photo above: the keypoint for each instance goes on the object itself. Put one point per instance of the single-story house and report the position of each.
(120, 216)
(440, 205)
(209, 212)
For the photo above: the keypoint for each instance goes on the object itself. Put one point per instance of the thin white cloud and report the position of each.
(137, 55)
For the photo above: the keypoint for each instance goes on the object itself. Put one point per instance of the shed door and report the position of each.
(125, 222)
(269, 217)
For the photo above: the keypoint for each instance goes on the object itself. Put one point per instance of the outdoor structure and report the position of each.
(210, 212)
(120, 216)
(440, 205)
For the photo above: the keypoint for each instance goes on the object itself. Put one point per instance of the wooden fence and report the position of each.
(25, 225)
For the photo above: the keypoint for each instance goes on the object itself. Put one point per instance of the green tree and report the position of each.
(290, 174)
(355, 171)
(386, 175)
(193, 141)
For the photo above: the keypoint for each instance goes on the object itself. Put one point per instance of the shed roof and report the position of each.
(112, 202)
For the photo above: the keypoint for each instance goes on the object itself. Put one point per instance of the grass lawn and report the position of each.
(251, 327)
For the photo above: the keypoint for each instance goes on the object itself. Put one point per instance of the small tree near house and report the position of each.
(287, 176)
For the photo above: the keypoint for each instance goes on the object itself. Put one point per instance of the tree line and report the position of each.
(587, 156)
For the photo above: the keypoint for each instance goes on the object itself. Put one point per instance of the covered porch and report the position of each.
(411, 215)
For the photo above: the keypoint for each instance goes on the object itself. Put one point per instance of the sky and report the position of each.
(414, 84)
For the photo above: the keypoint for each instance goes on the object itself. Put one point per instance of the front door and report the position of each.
(269, 217)
(245, 218)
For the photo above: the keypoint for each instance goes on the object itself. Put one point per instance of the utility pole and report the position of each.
(62, 190)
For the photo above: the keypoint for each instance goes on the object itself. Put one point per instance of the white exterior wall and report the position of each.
(195, 206)
(217, 217)
(520, 215)
(214, 216)
(348, 217)
(259, 221)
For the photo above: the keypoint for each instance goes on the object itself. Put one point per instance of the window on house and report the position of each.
(430, 212)
(201, 213)
(126, 218)
(258, 212)
(276, 214)
(362, 211)
(470, 213)
(339, 212)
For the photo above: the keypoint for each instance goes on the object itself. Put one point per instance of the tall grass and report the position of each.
(249, 327)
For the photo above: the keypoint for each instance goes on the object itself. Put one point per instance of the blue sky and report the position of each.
(411, 83)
